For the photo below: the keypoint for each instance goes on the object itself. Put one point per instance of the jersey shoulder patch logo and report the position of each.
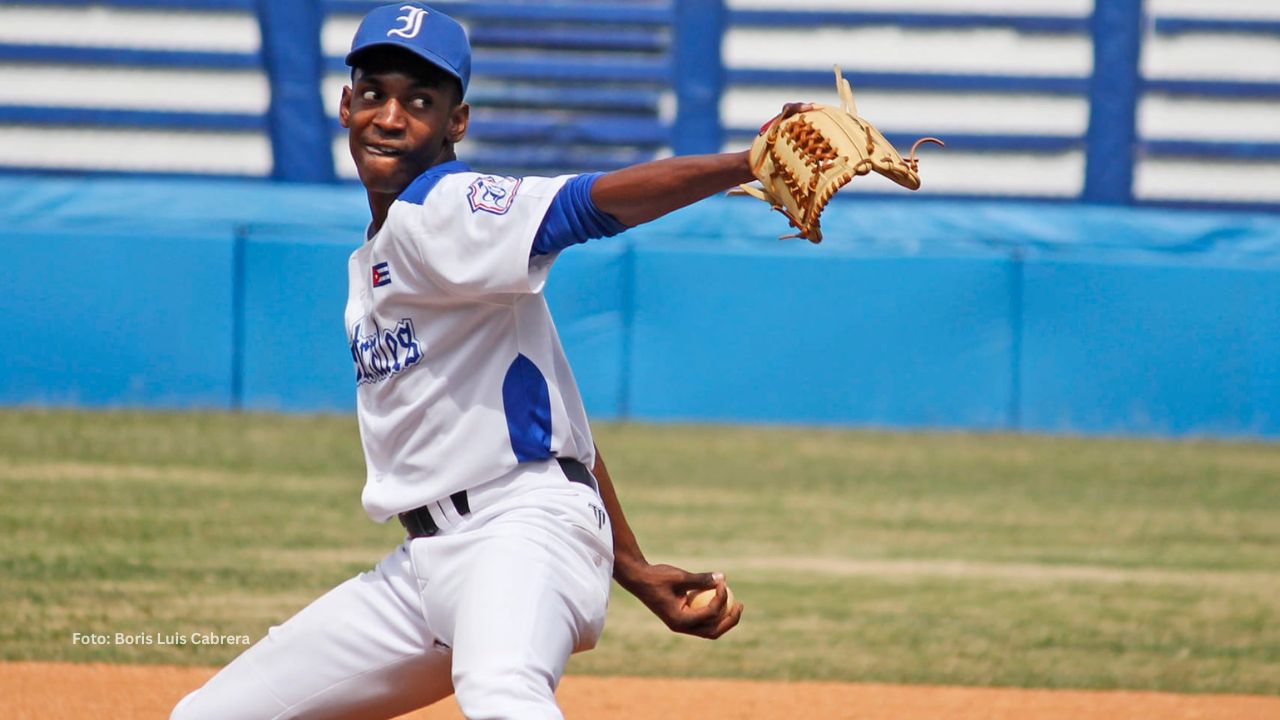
(492, 194)
(381, 274)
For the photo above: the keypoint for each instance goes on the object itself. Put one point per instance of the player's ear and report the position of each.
(459, 116)
(344, 110)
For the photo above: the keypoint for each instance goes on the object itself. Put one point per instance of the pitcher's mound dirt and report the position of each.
(55, 691)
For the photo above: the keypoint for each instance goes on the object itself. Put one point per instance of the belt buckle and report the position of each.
(419, 523)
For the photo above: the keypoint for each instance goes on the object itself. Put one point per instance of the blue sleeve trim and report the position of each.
(574, 218)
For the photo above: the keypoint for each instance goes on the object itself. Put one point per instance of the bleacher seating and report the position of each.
(1182, 110)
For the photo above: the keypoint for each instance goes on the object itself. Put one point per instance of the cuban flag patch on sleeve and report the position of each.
(492, 194)
(381, 274)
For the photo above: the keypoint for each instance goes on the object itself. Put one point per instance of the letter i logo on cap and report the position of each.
(412, 22)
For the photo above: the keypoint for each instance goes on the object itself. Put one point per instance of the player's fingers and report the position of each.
(700, 621)
(720, 599)
(728, 621)
(720, 624)
(697, 621)
(704, 611)
(704, 628)
(699, 581)
(793, 108)
(787, 111)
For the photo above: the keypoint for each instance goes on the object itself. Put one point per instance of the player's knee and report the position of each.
(506, 693)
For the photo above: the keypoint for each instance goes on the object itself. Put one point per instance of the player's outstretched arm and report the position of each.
(644, 192)
(640, 193)
(662, 588)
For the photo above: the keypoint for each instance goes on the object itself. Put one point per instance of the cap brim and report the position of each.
(427, 55)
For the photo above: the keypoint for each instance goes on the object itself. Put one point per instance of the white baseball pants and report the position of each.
(489, 610)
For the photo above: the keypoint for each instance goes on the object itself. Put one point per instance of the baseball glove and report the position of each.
(801, 160)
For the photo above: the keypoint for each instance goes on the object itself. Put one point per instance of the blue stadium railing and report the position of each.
(594, 101)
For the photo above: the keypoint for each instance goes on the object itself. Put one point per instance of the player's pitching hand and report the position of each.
(789, 109)
(665, 590)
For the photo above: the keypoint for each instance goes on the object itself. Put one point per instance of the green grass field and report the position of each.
(861, 556)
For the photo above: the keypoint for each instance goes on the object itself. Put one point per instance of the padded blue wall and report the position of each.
(801, 335)
(103, 318)
(588, 292)
(1151, 348)
(954, 315)
(294, 350)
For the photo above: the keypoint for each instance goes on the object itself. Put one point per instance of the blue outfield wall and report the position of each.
(1152, 349)
(982, 315)
(294, 349)
(109, 318)
(820, 337)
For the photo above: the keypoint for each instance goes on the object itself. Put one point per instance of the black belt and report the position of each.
(419, 523)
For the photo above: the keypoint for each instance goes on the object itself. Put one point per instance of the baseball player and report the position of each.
(473, 430)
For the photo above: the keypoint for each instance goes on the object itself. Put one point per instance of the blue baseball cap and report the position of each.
(423, 31)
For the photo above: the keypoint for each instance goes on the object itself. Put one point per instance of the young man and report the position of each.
(474, 433)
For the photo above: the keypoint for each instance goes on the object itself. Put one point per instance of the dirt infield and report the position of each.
(55, 691)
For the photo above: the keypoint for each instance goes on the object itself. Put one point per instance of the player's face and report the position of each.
(401, 121)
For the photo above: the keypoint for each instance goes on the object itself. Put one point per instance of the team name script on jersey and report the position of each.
(384, 352)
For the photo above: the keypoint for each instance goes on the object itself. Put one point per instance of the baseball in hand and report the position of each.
(698, 599)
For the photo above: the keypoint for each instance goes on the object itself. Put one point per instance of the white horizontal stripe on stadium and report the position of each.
(926, 112)
(244, 91)
(135, 150)
(986, 173)
(1190, 118)
(1207, 179)
(1212, 56)
(890, 48)
(336, 34)
(343, 166)
(1017, 7)
(1218, 9)
(331, 91)
(101, 26)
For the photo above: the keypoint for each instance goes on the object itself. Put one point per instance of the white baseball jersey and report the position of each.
(460, 373)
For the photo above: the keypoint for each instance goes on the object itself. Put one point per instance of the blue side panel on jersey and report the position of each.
(294, 349)
(803, 334)
(1167, 349)
(96, 318)
(527, 404)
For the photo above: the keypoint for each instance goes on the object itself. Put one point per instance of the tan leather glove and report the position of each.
(802, 159)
